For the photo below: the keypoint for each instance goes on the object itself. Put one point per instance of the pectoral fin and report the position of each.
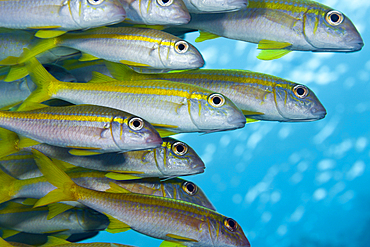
(79, 152)
(87, 57)
(250, 113)
(272, 54)
(114, 188)
(99, 78)
(130, 63)
(120, 176)
(45, 34)
(56, 209)
(272, 45)
(181, 238)
(203, 36)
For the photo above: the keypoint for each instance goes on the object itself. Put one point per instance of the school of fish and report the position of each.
(91, 90)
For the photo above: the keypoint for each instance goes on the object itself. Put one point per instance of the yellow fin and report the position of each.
(26, 142)
(51, 171)
(116, 226)
(30, 201)
(16, 72)
(40, 47)
(4, 243)
(43, 79)
(249, 113)
(130, 63)
(62, 164)
(272, 54)
(114, 188)
(120, 176)
(99, 78)
(164, 133)
(120, 71)
(8, 142)
(171, 244)
(54, 241)
(180, 237)
(79, 152)
(87, 57)
(57, 208)
(251, 120)
(9, 107)
(9, 61)
(272, 45)
(156, 27)
(45, 34)
(8, 233)
(203, 36)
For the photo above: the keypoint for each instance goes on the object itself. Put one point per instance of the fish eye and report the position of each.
(136, 123)
(165, 3)
(334, 17)
(190, 188)
(216, 100)
(181, 46)
(230, 224)
(95, 2)
(300, 91)
(179, 148)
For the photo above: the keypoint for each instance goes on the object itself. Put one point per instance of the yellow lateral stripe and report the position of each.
(288, 6)
(60, 117)
(120, 37)
(133, 87)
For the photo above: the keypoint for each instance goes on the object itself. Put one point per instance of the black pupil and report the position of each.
(165, 1)
(334, 18)
(232, 223)
(300, 91)
(136, 123)
(190, 187)
(181, 47)
(216, 100)
(180, 148)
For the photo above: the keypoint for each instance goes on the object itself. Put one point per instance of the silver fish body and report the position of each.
(259, 96)
(302, 25)
(86, 126)
(214, 6)
(65, 15)
(165, 161)
(156, 12)
(136, 46)
(27, 219)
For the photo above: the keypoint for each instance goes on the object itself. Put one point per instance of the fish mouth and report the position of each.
(181, 19)
(153, 142)
(237, 123)
(237, 4)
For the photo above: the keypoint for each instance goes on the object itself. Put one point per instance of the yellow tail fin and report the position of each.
(57, 177)
(10, 142)
(46, 84)
(7, 188)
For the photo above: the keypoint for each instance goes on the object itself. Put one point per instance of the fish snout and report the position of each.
(238, 4)
(237, 120)
(154, 141)
(319, 112)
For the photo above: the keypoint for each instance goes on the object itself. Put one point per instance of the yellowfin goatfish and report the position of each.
(179, 223)
(60, 15)
(215, 6)
(139, 47)
(172, 159)
(156, 12)
(24, 218)
(38, 187)
(53, 241)
(86, 126)
(259, 96)
(172, 106)
(279, 27)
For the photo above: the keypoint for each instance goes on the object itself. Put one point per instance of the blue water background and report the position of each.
(292, 184)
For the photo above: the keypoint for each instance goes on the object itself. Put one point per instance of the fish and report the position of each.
(279, 27)
(54, 241)
(38, 187)
(170, 107)
(24, 218)
(82, 70)
(158, 12)
(173, 158)
(138, 47)
(214, 6)
(178, 223)
(92, 128)
(56, 17)
(259, 96)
